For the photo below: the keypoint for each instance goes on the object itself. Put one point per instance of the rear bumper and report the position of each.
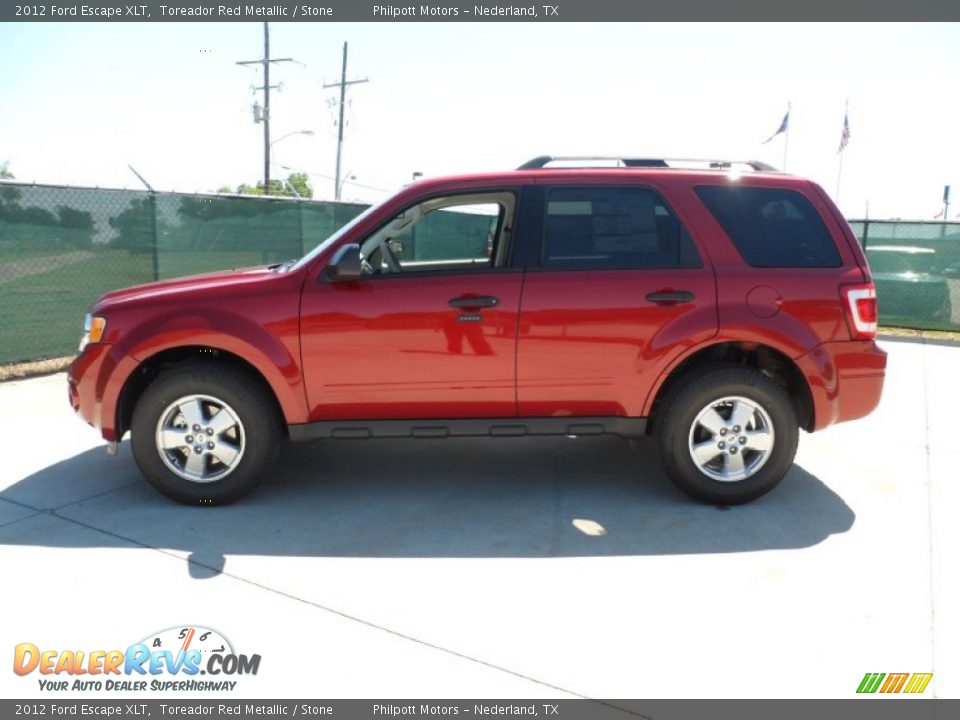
(845, 380)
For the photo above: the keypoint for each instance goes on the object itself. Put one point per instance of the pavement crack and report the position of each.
(21, 519)
(54, 510)
(97, 495)
(346, 616)
(24, 505)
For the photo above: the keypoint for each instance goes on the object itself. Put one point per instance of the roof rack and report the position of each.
(542, 161)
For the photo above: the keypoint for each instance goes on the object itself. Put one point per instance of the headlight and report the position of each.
(93, 329)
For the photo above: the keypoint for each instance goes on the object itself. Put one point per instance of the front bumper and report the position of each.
(85, 388)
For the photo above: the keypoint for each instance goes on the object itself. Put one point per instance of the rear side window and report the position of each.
(772, 227)
(613, 228)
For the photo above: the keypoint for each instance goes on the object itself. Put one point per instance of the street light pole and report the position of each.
(284, 137)
(266, 108)
(291, 134)
(346, 176)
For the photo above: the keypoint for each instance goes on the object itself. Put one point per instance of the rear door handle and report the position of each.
(474, 303)
(670, 297)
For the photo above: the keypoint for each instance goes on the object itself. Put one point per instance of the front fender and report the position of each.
(272, 350)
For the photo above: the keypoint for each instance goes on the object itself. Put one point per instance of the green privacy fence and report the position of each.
(62, 247)
(916, 268)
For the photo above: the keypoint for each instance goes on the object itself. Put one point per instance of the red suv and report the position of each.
(719, 306)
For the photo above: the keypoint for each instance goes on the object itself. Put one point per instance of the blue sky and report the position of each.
(82, 100)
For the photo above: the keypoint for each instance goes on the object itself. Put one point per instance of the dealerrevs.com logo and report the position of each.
(173, 660)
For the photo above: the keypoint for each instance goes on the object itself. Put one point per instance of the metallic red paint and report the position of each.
(559, 343)
(393, 348)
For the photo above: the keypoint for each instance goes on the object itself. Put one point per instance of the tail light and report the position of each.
(860, 307)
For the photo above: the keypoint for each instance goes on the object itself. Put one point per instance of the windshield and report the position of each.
(305, 260)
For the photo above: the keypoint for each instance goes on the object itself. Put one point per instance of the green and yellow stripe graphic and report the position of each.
(894, 682)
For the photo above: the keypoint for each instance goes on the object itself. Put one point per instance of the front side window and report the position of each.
(463, 232)
(613, 228)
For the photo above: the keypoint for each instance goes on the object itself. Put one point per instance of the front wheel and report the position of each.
(205, 435)
(728, 436)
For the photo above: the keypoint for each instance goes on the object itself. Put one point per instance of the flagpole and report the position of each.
(839, 175)
(786, 138)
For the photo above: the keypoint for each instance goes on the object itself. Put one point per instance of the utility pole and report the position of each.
(343, 93)
(265, 118)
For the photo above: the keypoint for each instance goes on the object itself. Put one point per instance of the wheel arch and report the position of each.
(151, 367)
(773, 363)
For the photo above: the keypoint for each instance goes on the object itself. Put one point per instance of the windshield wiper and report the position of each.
(284, 266)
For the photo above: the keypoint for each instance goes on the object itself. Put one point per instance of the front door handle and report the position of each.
(670, 297)
(475, 302)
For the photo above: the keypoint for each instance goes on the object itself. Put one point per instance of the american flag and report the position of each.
(845, 135)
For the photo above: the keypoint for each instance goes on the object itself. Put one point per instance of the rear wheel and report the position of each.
(204, 434)
(728, 436)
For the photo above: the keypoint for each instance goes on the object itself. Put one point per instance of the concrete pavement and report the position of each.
(505, 568)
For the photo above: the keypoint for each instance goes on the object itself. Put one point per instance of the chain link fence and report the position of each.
(916, 268)
(62, 247)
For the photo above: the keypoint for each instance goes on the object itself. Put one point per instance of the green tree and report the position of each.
(37, 228)
(134, 226)
(299, 181)
(77, 227)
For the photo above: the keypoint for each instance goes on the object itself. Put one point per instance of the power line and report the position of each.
(330, 177)
(343, 92)
(265, 62)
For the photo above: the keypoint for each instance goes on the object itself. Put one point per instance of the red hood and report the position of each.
(190, 284)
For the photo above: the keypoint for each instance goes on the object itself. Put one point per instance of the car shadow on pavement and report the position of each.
(480, 498)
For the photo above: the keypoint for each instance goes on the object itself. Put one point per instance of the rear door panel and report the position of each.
(591, 342)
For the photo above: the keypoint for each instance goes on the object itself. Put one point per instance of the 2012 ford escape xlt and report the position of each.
(720, 306)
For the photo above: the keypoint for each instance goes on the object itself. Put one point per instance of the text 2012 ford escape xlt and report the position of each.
(719, 306)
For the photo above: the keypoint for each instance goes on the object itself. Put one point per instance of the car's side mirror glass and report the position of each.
(345, 265)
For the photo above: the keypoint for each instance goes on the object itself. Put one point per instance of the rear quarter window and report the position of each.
(772, 227)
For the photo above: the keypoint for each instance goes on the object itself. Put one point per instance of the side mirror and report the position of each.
(345, 265)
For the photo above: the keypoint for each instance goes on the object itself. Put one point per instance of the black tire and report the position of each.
(677, 431)
(257, 438)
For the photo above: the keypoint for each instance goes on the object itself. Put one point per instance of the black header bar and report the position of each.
(520, 11)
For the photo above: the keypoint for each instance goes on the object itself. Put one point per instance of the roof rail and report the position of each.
(542, 161)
